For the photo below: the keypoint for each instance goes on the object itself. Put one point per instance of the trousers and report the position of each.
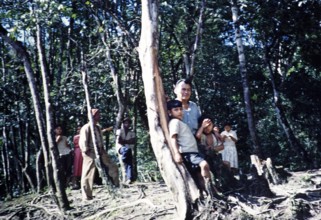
(88, 172)
(127, 158)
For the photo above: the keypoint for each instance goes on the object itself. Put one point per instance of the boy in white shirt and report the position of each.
(184, 144)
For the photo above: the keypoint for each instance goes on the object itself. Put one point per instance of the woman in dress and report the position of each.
(77, 161)
(230, 153)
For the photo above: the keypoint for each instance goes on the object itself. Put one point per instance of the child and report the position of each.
(183, 142)
(211, 144)
(65, 156)
(230, 152)
(210, 139)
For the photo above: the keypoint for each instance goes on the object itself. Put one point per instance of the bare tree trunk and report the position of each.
(39, 169)
(5, 163)
(60, 186)
(190, 61)
(176, 176)
(24, 57)
(98, 160)
(22, 150)
(23, 171)
(118, 91)
(70, 43)
(120, 100)
(26, 157)
(245, 83)
(292, 140)
(16, 176)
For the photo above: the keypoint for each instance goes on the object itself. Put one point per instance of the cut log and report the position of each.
(259, 185)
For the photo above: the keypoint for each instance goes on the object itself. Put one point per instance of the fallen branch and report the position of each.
(147, 201)
(49, 212)
(153, 215)
(244, 207)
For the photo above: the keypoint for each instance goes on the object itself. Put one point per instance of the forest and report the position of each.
(255, 64)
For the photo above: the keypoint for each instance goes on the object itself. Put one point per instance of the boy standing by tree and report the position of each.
(184, 144)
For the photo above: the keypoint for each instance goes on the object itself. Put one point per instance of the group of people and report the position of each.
(69, 158)
(84, 155)
(196, 141)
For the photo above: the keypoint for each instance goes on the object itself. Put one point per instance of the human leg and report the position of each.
(87, 177)
(205, 169)
(129, 166)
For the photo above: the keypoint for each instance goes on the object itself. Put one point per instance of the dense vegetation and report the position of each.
(282, 42)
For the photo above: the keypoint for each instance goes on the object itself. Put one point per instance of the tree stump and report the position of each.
(259, 185)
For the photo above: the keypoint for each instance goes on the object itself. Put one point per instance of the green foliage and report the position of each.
(285, 32)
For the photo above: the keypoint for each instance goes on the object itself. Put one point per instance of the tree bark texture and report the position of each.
(245, 83)
(5, 162)
(259, 186)
(24, 57)
(102, 172)
(176, 176)
(56, 166)
(16, 175)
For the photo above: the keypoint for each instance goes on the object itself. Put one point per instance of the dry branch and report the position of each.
(98, 215)
(245, 208)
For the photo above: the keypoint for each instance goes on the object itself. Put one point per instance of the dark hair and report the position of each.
(58, 125)
(173, 104)
(127, 119)
(201, 119)
(186, 81)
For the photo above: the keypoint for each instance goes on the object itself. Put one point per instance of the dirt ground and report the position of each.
(297, 198)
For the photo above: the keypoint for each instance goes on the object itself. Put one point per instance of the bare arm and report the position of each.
(206, 122)
(58, 138)
(177, 155)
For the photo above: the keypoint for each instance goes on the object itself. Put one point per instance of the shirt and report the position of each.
(86, 141)
(185, 138)
(191, 116)
(124, 136)
(63, 146)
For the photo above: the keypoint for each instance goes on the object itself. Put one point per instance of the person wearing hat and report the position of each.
(88, 152)
(184, 145)
(125, 142)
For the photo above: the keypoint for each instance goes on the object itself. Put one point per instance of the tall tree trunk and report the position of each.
(176, 176)
(24, 57)
(25, 143)
(190, 60)
(39, 169)
(246, 89)
(292, 140)
(5, 162)
(98, 160)
(16, 176)
(118, 91)
(70, 43)
(56, 166)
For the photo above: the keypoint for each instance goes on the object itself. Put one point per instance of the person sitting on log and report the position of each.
(210, 145)
(184, 146)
